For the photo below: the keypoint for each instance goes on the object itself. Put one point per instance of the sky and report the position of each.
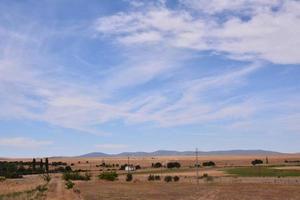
(82, 76)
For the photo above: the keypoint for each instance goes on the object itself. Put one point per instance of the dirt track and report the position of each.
(57, 190)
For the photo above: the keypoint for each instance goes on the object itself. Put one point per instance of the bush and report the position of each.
(176, 178)
(256, 161)
(171, 165)
(151, 177)
(156, 165)
(76, 176)
(46, 177)
(138, 167)
(2, 178)
(129, 177)
(168, 178)
(209, 164)
(41, 188)
(68, 169)
(123, 167)
(110, 176)
(69, 184)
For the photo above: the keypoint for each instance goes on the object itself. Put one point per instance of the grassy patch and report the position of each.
(261, 172)
(37, 193)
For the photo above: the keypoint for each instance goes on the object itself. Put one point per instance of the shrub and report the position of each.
(2, 178)
(69, 184)
(137, 167)
(256, 161)
(46, 177)
(176, 178)
(168, 179)
(41, 188)
(129, 177)
(151, 177)
(156, 165)
(171, 165)
(123, 167)
(76, 176)
(68, 168)
(110, 176)
(209, 163)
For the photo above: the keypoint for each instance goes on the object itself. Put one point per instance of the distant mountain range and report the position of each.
(182, 153)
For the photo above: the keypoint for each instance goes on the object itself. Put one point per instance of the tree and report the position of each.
(47, 164)
(33, 164)
(176, 178)
(168, 178)
(171, 165)
(256, 162)
(129, 177)
(156, 165)
(209, 163)
(41, 164)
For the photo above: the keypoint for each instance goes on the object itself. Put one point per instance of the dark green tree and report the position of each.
(47, 164)
(41, 164)
(33, 164)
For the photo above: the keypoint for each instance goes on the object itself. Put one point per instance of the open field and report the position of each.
(233, 177)
(144, 190)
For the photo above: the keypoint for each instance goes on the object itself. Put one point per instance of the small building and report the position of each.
(129, 168)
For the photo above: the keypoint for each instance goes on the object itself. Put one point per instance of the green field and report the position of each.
(261, 172)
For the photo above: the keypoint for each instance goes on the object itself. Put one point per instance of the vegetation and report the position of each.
(153, 177)
(262, 172)
(46, 177)
(209, 164)
(172, 165)
(256, 162)
(69, 184)
(157, 177)
(110, 176)
(16, 169)
(76, 176)
(129, 177)
(156, 165)
(168, 179)
(36, 193)
(176, 178)
(2, 178)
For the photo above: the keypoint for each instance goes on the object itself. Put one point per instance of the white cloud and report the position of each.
(23, 143)
(269, 34)
(219, 6)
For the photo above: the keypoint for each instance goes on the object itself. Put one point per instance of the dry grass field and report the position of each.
(222, 185)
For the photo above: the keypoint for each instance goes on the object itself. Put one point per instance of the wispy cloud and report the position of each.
(23, 143)
(265, 35)
(39, 82)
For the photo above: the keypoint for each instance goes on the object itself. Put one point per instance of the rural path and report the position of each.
(57, 190)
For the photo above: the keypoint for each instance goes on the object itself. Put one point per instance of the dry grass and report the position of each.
(211, 191)
(19, 185)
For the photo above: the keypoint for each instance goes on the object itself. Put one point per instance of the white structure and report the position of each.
(129, 168)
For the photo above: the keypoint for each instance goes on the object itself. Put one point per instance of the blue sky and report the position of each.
(112, 76)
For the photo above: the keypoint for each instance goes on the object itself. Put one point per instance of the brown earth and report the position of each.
(187, 191)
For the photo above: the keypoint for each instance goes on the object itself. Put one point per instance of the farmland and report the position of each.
(231, 177)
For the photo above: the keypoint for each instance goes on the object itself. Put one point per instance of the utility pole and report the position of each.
(128, 165)
(197, 166)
